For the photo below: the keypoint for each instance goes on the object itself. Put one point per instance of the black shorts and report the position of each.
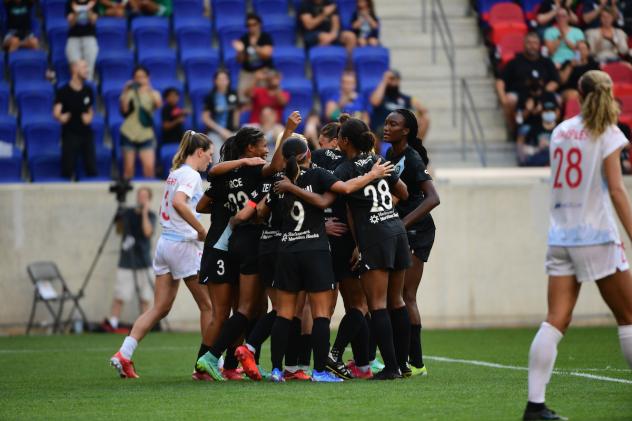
(243, 246)
(341, 252)
(390, 254)
(267, 268)
(310, 271)
(420, 243)
(217, 267)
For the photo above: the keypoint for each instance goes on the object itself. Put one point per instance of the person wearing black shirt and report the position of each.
(74, 109)
(173, 117)
(19, 32)
(82, 41)
(410, 159)
(529, 64)
(136, 226)
(254, 52)
(382, 244)
(321, 24)
(574, 69)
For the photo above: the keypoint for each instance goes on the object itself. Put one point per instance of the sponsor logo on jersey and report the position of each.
(235, 182)
(399, 167)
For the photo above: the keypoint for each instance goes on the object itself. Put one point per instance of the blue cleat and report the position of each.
(277, 376)
(325, 377)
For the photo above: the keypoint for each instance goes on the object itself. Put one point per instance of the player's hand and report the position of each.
(201, 235)
(335, 228)
(254, 161)
(293, 121)
(382, 169)
(283, 185)
(355, 259)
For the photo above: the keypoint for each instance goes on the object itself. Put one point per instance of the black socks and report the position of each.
(261, 330)
(416, 356)
(293, 346)
(360, 344)
(279, 340)
(383, 332)
(401, 334)
(372, 343)
(234, 327)
(320, 342)
(305, 350)
(231, 363)
(347, 331)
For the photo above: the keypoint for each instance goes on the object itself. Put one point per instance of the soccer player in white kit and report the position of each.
(584, 243)
(179, 248)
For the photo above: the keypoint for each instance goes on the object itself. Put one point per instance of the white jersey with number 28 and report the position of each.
(581, 210)
(188, 181)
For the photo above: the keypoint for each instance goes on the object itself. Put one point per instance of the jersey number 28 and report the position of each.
(573, 174)
(385, 201)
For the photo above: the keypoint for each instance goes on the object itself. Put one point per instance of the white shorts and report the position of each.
(587, 263)
(180, 258)
(125, 290)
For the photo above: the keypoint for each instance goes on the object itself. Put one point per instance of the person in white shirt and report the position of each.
(179, 247)
(584, 243)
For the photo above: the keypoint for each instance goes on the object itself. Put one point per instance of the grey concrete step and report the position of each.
(409, 8)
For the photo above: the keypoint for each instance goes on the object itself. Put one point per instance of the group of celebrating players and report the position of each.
(297, 230)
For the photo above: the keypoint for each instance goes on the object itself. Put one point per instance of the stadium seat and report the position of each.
(572, 108)
(11, 164)
(62, 70)
(104, 167)
(5, 94)
(42, 138)
(150, 33)
(195, 39)
(46, 168)
(197, 96)
(57, 38)
(35, 105)
(530, 8)
(290, 61)
(27, 67)
(370, 64)
(485, 6)
(233, 67)
(112, 36)
(226, 36)
(268, 9)
(622, 89)
(626, 109)
(8, 129)
(502, 29)
(115, 71)
(229, 12)
(167, 152)
(98, 132)
(301, 96)
(282, 30)
(185, 11)
(619, 72)
(328, 63)
(505, 12)
(162, 66)
(200, 68)
(345, 10)
(54, 14)
(112, 107)
(508, 46)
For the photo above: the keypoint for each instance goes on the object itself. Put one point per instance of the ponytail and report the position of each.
(294, 151)
(599, 109)
(410, 122)
(191, 142)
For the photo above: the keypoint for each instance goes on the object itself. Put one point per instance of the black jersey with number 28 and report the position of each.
(303, 225)
(374, 215)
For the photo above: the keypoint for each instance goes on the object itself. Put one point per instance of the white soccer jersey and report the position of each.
(581, 210)
(188, 181)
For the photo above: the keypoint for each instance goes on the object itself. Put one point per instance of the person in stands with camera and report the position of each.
(136, 226)
(138, 103)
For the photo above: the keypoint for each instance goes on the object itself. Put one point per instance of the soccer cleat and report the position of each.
(357, 372)
(124, 366)
(376, 365)
(338, 368)
(421, 371)
(406, 372)
(235, 374)
(201, 376)
(543, 414)
(325, 377)
(208, 364)
(297, 375)
(277, 376)
(387, 375)
(247, 360)
(265, 374)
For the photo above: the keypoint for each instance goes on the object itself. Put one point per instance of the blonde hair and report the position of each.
(298, 135)
(599, 109)
(191, 142)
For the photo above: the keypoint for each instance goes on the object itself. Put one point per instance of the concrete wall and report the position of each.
(486, 267)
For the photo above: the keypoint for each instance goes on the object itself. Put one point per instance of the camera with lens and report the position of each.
(120, 188)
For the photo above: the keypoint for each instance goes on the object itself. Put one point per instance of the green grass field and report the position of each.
(67, 377)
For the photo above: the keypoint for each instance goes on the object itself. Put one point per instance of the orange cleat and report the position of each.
(232, 374)
(201, 376)
(297, 375)
(357, 373)
(124, 366)
(247, 360)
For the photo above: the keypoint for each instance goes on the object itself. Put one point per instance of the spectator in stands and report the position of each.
(138, 101)
(528, 64)
(271, 128)
(321, 24)
(82, 41)
(161, 8)
(254, 52)
(625, 6)
(221, 112)
(173, 117)
(18, 20)
(136, 226)
(607, 43)
(591, 10)
(347, 101)
(548, 11)
(365, 24)
(626, 156)
(561, 39)
(574, 69)
(74, 109)
(269, 94)
(532, 144)
(112, 8)
(531, 104)
(387, 97)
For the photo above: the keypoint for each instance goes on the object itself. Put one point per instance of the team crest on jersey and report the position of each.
(374, 219)
(399, 168)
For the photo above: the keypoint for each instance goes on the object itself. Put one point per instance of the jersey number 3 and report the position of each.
(385, 201)
(573, 174)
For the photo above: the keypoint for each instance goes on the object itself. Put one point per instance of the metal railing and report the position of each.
(470, 122)
(439, 24)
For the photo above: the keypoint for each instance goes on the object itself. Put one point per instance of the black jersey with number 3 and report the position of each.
(303, 225)
(411, 170)
(374, 215)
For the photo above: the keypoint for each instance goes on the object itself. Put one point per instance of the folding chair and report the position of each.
(51, 289)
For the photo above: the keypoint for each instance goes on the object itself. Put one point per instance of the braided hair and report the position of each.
(410, 122)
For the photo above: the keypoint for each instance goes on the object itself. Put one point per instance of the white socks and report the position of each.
(113, 322)
(128, 347)
(625, 338)
(542, 358)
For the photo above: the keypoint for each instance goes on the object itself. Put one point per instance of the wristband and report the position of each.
(251, 204)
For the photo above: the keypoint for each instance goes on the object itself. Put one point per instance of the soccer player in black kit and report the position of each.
(410, 159)
(382, 244)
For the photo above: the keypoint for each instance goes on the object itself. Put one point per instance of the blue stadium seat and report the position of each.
(282, 30)
(104, 167)
(345, 10)
(233, 11)
(112, 36)
(226, 36)
(485, 6)
(233, 66)
(46, 168)
(267, 9)
(42, 138)
(185, 11)
(370, 64)
(112, 107)
(200, 68)
(54, 14)
(27, 66)
(290, 61)
(8, 129)
(530, 7)
(35, 106)
(62, 70)
(301, 96)
(167, 151)
(57, 38)
(98, 132)
(5, 94)
(196, 39)
(150, 33)
(162, 66)
(11, 166)
(197, 96)
(328, 63)
(115, 71)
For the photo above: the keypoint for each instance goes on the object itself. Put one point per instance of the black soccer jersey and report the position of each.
(303, 225)
(411, 170)
(374, 215)
(243, 184)
(272, 228)
(330, 159)
(220, 209)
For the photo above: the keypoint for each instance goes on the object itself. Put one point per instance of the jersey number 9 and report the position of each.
(385, 201)
(298, 214)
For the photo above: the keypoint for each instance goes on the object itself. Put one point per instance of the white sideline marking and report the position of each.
(518, 368)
